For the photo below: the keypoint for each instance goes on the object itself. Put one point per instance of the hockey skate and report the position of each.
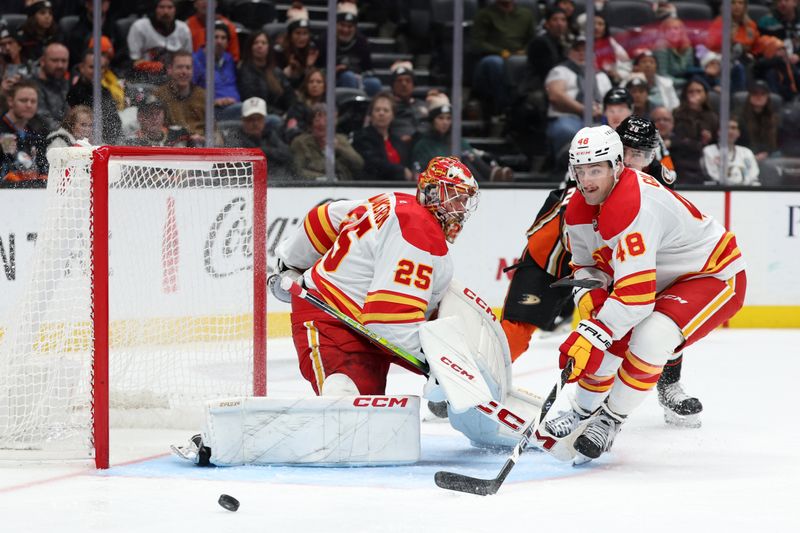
(557, 436)
(566, 422)
(598, 436)
(680, 409)
(194, 451)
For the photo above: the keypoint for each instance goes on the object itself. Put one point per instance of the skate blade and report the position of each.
(580, 459)
(684, 421)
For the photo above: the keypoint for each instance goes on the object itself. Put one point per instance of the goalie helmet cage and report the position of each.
(174, 316)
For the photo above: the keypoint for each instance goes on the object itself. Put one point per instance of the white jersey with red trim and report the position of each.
(646, 237)
(382, 261)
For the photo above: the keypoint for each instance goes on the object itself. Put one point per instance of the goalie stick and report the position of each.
(485, 487)
(486, 406)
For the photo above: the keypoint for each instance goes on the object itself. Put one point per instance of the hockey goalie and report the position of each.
(384, 263)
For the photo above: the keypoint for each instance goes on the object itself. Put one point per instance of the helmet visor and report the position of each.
(637, 158)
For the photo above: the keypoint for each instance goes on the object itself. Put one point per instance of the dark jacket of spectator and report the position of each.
(253, 81)
(784, 27)
(309, 158)
(355, 55)
(34, 38)
(759, 127)
(278, 153)
(78, 40)
(28, 163)
(495, 31)
(688, 137)
(52, 101)
(370, 144)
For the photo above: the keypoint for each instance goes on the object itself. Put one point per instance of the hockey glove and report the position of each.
(588, 302)
(586, 346)
(274, 281)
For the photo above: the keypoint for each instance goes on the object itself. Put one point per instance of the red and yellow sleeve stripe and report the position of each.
(389, 307)
(725, 252)
(319, 229)
(596, 383)
(636, 289)
(638, 374)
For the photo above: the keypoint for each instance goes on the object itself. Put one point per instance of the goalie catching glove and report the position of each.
(586, 346)
(274, 281)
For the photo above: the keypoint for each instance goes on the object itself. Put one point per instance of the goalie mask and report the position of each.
(449, 191)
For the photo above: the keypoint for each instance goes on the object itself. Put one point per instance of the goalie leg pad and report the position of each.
(326, 430)
(483, 432)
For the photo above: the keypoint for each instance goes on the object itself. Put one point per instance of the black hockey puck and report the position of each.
(228, 502)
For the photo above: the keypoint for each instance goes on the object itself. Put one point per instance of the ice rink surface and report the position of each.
(739, 472)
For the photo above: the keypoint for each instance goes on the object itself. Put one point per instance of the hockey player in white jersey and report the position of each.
(673, 273)
(382, 261)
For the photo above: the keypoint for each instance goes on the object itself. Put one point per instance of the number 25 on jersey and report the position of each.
(409, 273)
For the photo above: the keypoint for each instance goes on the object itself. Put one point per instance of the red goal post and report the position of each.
(156, 319)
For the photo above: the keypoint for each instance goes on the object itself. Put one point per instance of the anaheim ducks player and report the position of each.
(383, 261)
(676, 273)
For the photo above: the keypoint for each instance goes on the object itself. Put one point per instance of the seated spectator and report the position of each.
(108, 78)
(744, 32)
(609, 55)
(674, 52)
(299, 52)
(255, 132)
(662, 118)
(500, 30)
(185, 102)
(38, 30)
(661, 88)
(197, 28)
(665, 123)
(226, 93)
(77, 125)
(742, 164)
(436, 142)
(259, 76)
(311, 92)
(152, 38)
(82, 93)
(53, 85)
(22, 138)
(12, 67)
(711, 63)
(783, 22)
(564, 86)
(411, 115)
(617, 106)
(153, 131)
(637, 87)
(308, 151)
(353, 56)
(776, 68)
(386, 156)
(695, 128)
(79, 36)
(549, 48)
(759, 121)
(568, 7)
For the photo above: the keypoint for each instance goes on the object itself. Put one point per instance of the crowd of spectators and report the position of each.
(269, 84)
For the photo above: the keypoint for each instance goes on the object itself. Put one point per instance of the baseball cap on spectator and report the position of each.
(296, 23)
(639, 53)
(402, 68)
(636, 81)
(221, 26)
(758, 86)
(579, 40)
(5, 34)
(105, 46)
(346, 12)
(35, 7)
(254, 105)
(709, 57)
(438, 104)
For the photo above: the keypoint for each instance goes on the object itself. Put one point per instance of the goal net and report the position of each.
(145, 296)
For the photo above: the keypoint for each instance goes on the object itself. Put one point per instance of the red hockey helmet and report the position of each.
(449, 191)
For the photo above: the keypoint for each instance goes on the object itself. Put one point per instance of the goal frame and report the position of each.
(101, 156)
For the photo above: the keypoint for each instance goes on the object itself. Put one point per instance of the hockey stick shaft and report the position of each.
(485, 487)
(355, 325)
(580, 283)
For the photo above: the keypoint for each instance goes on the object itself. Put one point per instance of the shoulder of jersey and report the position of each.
(578, 211)
(622, 206)
(418, 226)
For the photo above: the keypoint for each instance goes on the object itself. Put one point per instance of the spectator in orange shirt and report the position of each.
(197, 25)
(744, 31)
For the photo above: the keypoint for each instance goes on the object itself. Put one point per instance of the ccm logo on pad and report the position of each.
(479, 301)
(379, 401)
(457, 368)
(503, 415)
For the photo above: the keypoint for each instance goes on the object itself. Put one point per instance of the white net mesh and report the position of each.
(180, 300)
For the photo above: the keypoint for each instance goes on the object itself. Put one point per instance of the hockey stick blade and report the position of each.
(462, 483)
(486, 487)
(580, 283)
